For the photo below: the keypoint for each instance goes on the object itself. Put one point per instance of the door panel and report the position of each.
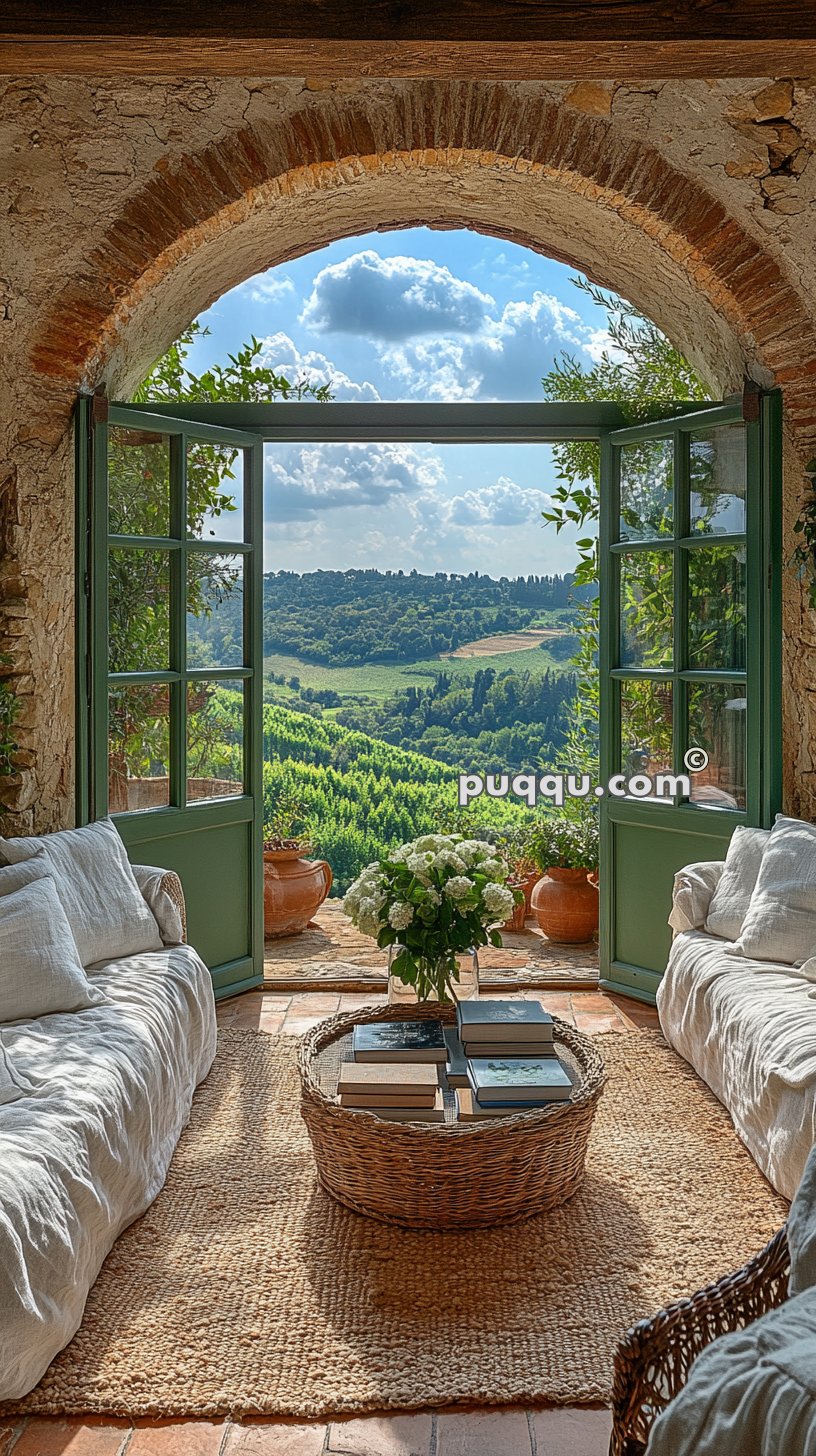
(689, 659)
(174, 723)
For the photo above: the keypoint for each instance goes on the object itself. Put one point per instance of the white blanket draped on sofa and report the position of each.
(89, 1150)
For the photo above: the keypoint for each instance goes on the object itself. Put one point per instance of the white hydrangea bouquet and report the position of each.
(435, 898)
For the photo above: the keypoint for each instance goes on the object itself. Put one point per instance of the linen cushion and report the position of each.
(732, 896)
(150, 879)
(13, 1084)
(40, 971)
(694, 887)
(780, 923)
(16, 877)
(751, 1393)
(105, 908)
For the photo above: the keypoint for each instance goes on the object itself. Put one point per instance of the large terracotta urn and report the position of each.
(294, 889)
(565, 904)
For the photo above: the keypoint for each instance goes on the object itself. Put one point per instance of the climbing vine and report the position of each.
(803, 556)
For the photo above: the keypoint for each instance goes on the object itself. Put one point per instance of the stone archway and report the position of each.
(553, 172)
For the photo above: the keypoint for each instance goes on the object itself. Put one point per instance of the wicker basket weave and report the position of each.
(446, 1175)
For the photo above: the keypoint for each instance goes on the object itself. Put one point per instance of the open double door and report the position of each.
(689, 648)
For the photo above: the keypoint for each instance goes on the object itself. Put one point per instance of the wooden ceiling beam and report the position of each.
(334, 58)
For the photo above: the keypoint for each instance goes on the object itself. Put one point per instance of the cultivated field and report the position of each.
(502, 643)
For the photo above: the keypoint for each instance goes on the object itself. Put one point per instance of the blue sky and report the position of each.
(412, 315)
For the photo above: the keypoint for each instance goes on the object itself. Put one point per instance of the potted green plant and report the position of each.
(294, 886)
(429, 902)
(565, 899)
(513, 842)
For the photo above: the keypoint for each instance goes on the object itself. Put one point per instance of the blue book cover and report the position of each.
(499, 1021)
(511, 1080)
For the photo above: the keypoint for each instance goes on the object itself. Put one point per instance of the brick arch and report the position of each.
(443, 154)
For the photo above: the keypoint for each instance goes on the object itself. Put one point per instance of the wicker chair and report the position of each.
(654, 1357)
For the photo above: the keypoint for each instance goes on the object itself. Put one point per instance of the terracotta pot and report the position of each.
(528, 884)
(518, 917)
(565, 904)
(294, 889)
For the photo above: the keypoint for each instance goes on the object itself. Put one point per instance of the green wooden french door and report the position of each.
(172, 729)
(689, 657)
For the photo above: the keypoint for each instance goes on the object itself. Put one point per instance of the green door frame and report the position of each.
(177, 836)
(546, 423)
(637, 833)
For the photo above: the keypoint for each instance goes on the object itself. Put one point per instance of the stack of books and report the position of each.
(401, 1091)
(511, 1084)
(505, 1029)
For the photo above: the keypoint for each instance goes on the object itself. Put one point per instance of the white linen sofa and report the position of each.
(747, 1026)
(87, 1151)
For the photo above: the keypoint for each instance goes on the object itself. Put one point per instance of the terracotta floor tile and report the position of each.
(315, 1003)
(71, 1438)
(257, 1438)
(275, 1002)
(591, 1022)
(271, 1022)
(352, 1001)
(572, 1432)
(177, 1438)
(389, 1436)
(493, 1433)
(596, 1001)
(299, 1025)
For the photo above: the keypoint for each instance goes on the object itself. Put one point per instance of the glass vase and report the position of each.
(465, 988)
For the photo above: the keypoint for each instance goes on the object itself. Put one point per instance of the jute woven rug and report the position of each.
(246, 1289)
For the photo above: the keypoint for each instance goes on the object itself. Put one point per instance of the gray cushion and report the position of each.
(752, 1393)
(40, 972)
(105, 908)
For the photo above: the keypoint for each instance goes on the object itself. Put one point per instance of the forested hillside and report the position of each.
(495, 721)
(360, 796)
(350, 618)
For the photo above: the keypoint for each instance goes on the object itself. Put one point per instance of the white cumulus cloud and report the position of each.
(393, 298)
(302, 481)
(282, 354)
(269, 287)
(505, 360)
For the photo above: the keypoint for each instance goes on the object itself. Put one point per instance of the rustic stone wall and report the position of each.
(130, 206)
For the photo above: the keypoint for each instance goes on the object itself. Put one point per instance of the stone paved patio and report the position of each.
(332, 953)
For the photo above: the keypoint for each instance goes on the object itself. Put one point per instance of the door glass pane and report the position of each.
(139, 611)
(646, 728)
(138, 482)
(215, 492)
(215, 739)
(647, 609)
(716, 589)
(716, 723)
(646, 490)
(718, 473)
(215, 610)
(138, 747)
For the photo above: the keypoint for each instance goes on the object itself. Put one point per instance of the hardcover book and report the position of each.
(516, 1079)
(508, 1049)
(503, 1021)
(436, 1113)
(373, 1077)
(468, 1109)
(457, 1060)
(385, 1098)
(400, 1041)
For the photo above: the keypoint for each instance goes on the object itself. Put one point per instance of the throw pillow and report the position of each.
(732, 896)
(15, 877)
(40, 971)
(780, 924)
(105, 908)
(13, 1085)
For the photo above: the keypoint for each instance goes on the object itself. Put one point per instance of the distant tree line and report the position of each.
(493, 721)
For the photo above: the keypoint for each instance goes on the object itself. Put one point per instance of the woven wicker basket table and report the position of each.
(446, 1175)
